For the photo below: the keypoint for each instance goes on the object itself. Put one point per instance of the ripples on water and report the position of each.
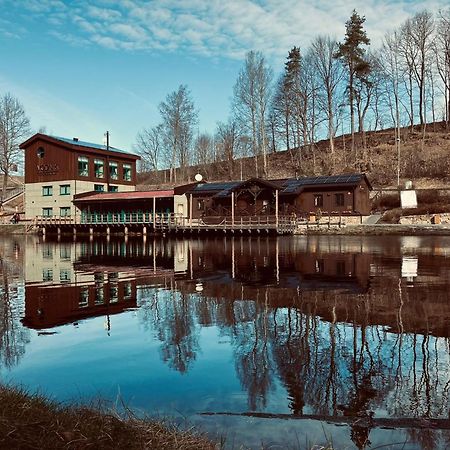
(345, 337)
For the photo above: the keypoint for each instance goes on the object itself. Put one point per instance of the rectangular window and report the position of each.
(127, 172)
(83, 301)
(339, 199)
(47, 212)
(64, 275)
(47, 275)
(320, 266)
(318, 200)
(99, 168)
(65, 211)
(99, 187)
(200, 204)
(64, 189)
(83, 166)
(47, 191)
(113, 170)
(113, 189)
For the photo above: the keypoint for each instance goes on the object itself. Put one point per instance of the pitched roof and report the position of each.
(74, 142)
(294, 185)
(122, 196)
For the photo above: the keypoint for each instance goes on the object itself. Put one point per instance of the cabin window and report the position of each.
(99, 168)
(200, 204)
(83, 166)
(113, 188)
(64, 252)
(127, 172)
(47, 212)
(340, 268)
(339, 199)
(47, 191)
(64, 211)
(99, 187)
(318, 200)
(113, 170)
(64, 189)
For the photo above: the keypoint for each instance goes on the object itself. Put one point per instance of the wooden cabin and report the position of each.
(333, 195)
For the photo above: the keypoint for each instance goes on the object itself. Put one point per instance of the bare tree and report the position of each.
(204, 148)
(14, 127)
(329, 73)
(179, 119)
(390, 61)
(421, 29)
(149, 145)
(442, 52)
(250, 103)
(227, 141)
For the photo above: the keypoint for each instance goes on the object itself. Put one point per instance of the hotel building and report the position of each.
(57, 169)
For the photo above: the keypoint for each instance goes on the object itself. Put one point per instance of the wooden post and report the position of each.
(276, 209)
(190, 210)
(108, 231)
(232, 209)
(144, 231)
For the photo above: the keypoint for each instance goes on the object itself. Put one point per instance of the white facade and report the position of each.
(54, 198)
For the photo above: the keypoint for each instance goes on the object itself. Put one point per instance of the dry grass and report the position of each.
(33, 422)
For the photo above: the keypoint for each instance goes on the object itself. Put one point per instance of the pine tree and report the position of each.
(352, 55)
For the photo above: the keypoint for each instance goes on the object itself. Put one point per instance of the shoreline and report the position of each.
(348, 230)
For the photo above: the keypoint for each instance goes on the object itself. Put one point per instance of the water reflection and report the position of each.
(345, 329)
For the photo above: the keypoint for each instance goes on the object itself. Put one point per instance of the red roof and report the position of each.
(118, 196)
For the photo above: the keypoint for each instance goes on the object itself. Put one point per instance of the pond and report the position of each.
(292, 341)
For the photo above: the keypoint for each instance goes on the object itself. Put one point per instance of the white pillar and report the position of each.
(190, 209)
(232, 208)
(276, 208)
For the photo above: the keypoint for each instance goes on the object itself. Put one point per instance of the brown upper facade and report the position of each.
(51, 158)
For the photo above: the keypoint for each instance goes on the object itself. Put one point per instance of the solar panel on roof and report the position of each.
(89, 144)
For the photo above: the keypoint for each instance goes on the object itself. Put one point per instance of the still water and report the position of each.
(290, 341)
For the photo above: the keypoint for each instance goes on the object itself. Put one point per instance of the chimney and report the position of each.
(75, 139)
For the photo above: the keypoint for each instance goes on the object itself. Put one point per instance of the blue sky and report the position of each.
(83, 67)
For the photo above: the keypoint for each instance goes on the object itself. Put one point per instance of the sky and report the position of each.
(83, 67)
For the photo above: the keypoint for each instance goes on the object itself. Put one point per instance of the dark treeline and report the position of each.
(333, 87)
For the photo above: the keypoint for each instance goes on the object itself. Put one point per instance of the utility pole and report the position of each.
(107, 161)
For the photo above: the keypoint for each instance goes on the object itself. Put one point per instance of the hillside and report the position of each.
(425, 159)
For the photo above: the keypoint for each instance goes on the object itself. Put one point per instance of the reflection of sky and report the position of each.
(177, 354)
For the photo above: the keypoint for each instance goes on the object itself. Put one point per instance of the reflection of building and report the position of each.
(67, 282)
(57, 169)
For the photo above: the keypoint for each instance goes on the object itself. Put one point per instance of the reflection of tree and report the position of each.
(251, 352)
(13, 336)
(173, 317)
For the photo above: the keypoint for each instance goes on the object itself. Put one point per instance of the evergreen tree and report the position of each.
(352, 54)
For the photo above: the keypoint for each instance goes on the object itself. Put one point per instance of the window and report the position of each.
(99, 187)
(83, 166)
(127, 172)
(47, 191)
(340, 268)
(64, 275)
(339, 199)
(47, 275)
(320, 266)
(200, 204)
(64, 189)
(47, 212)
(113, 189)
(41, 152)
(113, 171)
(83, 301)
(99, 168)
(64, 252)
(64, 211)
(318, 200)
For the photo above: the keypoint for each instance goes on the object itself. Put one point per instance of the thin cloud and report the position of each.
(214, 28)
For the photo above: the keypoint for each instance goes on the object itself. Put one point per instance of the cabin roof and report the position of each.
(294, 185)
(74, 143)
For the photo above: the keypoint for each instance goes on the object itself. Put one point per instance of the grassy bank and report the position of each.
(33, 422)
